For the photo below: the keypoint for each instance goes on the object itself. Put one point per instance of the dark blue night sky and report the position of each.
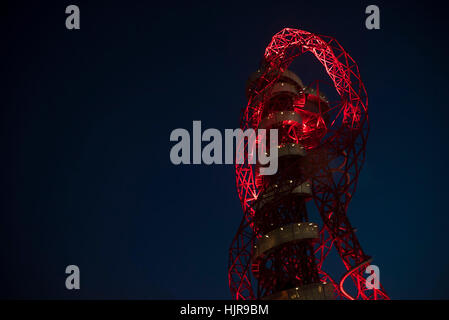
(86, 118)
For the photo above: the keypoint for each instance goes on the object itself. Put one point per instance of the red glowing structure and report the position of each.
(277, 252)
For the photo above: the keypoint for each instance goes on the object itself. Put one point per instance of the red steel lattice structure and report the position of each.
(322, 145)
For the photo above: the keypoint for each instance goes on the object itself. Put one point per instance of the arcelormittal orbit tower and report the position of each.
(279, 251)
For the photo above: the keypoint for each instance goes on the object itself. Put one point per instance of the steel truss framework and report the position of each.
(334, 166)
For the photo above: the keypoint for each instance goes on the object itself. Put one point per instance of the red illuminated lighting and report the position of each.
(337, 145)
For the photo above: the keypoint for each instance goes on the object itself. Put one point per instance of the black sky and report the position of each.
(87, 115)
